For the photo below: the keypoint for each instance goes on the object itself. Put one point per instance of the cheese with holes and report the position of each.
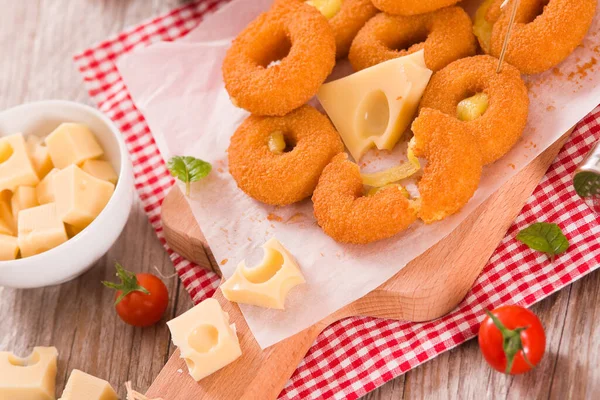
(39, 155)
(82, 386)
(40, 229)
(45, 190)
(79, 196)
(15, 166)
(72, 143)
(23, 198)
(101, 170)
(30, 378)
(205, 338)
(267, 284)
(8, 225)
(374, 107)
(9, 248)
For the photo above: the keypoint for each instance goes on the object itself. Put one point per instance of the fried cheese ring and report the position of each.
(299, 36)
(445, 35)
(412, 7)
(544, 34)
(351, 17)
(454, 164)
(502, 124)
(348, 216)
(281, 179)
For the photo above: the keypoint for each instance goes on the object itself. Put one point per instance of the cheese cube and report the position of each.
(39, 155)
(79, 196)
(9, 248)
(101, 170)
(40, 229)
(72, 231)
(82, 386)
(374, 107)
(45, 190)
(8, 225)
(206, 340)
(15, 166)
(268, 284)
(23, 198)
(31, 378)
(72, 144)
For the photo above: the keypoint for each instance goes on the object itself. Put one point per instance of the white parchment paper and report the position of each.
(179, 89)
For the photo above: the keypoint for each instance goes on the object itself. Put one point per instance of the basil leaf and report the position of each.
(587, 184)
(188, 169)
(544, 237)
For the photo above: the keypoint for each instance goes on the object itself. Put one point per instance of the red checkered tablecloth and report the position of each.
(356, 355)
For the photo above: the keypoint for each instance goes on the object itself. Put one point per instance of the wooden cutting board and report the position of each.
(427, 288)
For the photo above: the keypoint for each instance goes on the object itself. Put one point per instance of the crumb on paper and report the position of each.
(274, 217)
(583, 69)
(220, 170)
(295, 218)
(224, 261)
(550, 108)
(513, 166)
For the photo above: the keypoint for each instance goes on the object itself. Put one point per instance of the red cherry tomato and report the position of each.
(512, 339)
(141, 299)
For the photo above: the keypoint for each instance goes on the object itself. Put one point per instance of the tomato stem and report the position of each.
(512, 343)
(128, 284)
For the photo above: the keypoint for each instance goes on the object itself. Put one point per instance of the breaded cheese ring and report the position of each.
(446, 35)
(297, 34)
(544, 34)
(351, 17)
(412, 7)
(282, 179)
(502, 124)
(454, 164)
(348, 216)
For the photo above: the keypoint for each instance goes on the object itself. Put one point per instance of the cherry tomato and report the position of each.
(512, 339)
(141, 299)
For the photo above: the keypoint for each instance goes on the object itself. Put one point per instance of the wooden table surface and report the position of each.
(37, 40)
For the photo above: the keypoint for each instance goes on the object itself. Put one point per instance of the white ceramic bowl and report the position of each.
(78, 254)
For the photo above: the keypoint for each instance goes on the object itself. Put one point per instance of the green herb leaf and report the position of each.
(544, 237)
(188, 169)
(587, 184)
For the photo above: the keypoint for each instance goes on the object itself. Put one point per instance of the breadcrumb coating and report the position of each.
(502, 124)
(299, 36)
(544, 34)
(412, 7)
(348, 216)
(445, 35)
(282, 179)
(454, 164)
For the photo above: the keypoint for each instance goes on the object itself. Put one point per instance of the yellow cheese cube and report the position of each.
(40, 229)
(72, 144)
(45, 190)
(15, 166)
(72, 231)
(79, 196)
(8, 225)
(31, 378)
(205, 338)
(39, 155)
(267, 284)
(9, 248)
(82, 386)
(23, 198)
(101, 170)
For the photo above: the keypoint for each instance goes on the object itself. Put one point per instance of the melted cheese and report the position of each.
(268, 284)
(31, 378)
(374, 107)
(205, 338)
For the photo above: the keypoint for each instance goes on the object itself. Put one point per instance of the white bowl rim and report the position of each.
(123, 162)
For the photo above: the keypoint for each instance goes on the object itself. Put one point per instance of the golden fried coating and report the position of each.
(353, 15)
(348, 216)
(299, 36)
(544, 34)
(286, 178)
(412, 7)
(446, 35)
(502, 124)
(454, 164)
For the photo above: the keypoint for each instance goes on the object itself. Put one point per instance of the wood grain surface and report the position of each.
(37, 39)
